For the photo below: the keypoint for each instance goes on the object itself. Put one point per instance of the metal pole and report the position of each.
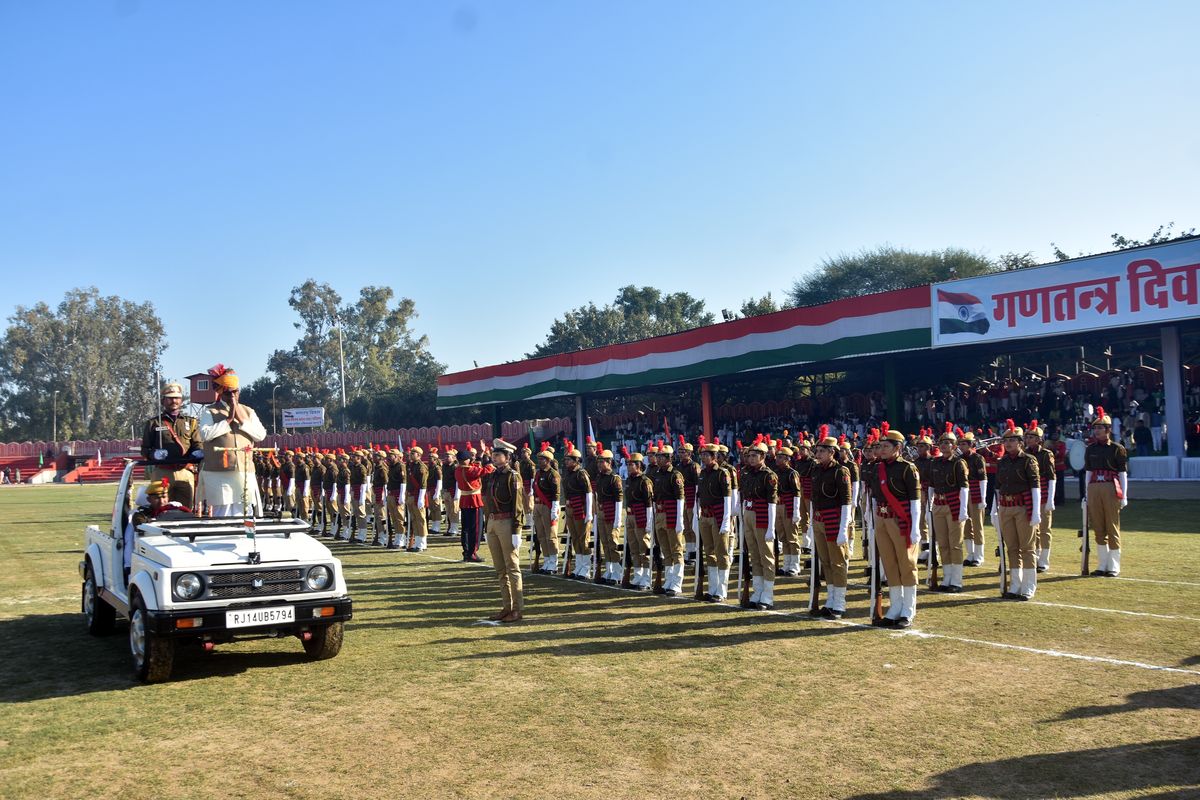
(1173, 391)
(342, 361)
(56, 416)
(273, 413)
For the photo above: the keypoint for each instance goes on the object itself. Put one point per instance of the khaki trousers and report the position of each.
(924, 506)
(805, 516)
(716, 544)
(546, 531)
(395, 513)
(760, 551)
(609, 536)
(451, 506)
(973, 530)
(358, 501)
(670, 543)
(898, 557)
(580, 531)
(949, 533)
(416, 516)
(435, 506)
(330, 505)
(689, 533)
(834, 557)
(174, 476)
(1017, 534)
(786, 531)
(507, 561)
(1043, 534)
(637, 539)
(1104, 513)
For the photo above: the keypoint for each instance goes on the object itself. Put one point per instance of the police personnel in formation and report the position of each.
(1018, 512)
(896, 491)
(948, 483)
(787, 516)
(1107, 492)
(577, 488)
(546, 486)
(639, 489)
(172, 436)
(502, 502)
(690, 471)
(1034, 445)
(668, 518)
(418, 481)
(714, 512)
(760, 493)
(977, 492)
(610, 501)
(831, 522)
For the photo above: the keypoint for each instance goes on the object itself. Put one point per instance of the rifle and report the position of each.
(536, 561)
(814, 578)
(568, 552)
(597, 576)
(699, 593)
(627, 558)
(1087, 544)
(1002, 554)
(658, 567)
(743, 569)
(875, 589)
(933, 554)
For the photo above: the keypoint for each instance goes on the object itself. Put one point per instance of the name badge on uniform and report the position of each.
(162, 428)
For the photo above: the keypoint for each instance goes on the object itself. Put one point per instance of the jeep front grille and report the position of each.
(225, 585)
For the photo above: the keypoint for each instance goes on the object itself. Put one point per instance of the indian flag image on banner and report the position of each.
(960, 313)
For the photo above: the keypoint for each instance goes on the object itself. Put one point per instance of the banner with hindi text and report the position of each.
(1133, 287)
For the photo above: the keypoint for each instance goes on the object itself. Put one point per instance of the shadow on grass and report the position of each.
(1142, 768)
(1181, 697)
(52, 655)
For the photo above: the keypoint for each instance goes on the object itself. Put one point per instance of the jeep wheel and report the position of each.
(326, 642)
(153, 655)
(101, 618)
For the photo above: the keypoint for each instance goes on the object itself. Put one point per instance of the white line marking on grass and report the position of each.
(1084, 608)
(24, 601)
(910, 632)
(1149, 580)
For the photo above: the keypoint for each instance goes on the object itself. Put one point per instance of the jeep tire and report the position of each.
(326, 641)
(101, 618)
(153, 656)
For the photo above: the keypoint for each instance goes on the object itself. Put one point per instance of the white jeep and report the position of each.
(209, 580)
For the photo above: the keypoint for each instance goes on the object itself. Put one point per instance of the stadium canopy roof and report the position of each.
(888, 322)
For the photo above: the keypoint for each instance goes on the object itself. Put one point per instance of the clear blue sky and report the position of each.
(531, 156)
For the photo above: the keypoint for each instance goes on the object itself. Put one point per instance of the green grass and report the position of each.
(602, 693)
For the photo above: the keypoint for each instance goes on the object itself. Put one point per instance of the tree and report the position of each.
(391, 377)
(636, 313)
(101, 354)
(757, 306)
(1163, 233)
(882, 269)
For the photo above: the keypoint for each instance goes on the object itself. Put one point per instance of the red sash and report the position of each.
(975, 493)
(689, 495)
(1106, 475)
(546, 501)
(670, 513)
(948, 499)
(831, 518)
(578, 505)
(898, 508)
(609, 507)
(640, 517)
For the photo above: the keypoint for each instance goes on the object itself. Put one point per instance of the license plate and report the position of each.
(252, 617)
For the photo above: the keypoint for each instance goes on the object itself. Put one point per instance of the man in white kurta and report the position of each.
(229, 431)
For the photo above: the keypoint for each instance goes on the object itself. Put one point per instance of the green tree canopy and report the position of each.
(101, 354)
(636, 313)
(882, 269)
(391, 377)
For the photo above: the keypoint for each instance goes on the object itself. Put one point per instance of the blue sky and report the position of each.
(517, 159)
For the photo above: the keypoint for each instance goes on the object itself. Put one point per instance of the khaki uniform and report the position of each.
(449, 502)
(976, 501)
(640, 491)
(546, 487)
(576, 486)
(1104, 464)
(691, 474)
(668, 489)
(609, 492)
(760, 490)
(502, 495)
(180, 438)
(787, 531)
(1016, 478)
(831, 491)
(397, 481)
(899, 558)
(418, 479)
(711, 491)
(947, 477)
(1042, 535)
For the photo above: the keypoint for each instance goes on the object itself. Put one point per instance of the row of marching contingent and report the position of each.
(776, 507)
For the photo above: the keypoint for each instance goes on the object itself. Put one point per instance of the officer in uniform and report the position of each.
(668, 518)
(714, 504)
(418, 482)
(379, 485)
(610, 500)
(1034, 438)
(331, 502)
(924, 457)
(1017, 512)
(527, 467)
(803, 464)
(577, 489)
(977, 492)
(845, 457)
(1105, 464)
(468, 477)
(896, 490)
(174, 437)
(787, 516)
(504, 530)
(300, 474)
(831, 515)
(546, 486)
(433, 490)
(760, 494)
(948, 483)
(690, 471)
(316, 478)
(450, 491)
(639, 489)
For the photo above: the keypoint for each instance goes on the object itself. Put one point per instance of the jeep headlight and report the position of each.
(188, 585)
(319, 578)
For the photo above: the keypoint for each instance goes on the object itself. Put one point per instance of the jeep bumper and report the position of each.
(211, 622)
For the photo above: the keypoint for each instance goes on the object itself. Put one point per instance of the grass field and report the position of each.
(1092, 691)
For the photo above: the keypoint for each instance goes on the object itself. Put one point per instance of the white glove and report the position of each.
(983, 491)
(554, 512)
(650, 518)
(457, 492)
(964, 495)
(588, 512)
(403, 493)
(843, 536)
(159, 455)
(1050, 487)
(421, 499)
(795, 510)
(914, 533)
(438, 489)
(516, 541)
(679, 516)
(770, 537)
(1124, 489)
(1035, 515)
(728, 506)
(617, 518)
